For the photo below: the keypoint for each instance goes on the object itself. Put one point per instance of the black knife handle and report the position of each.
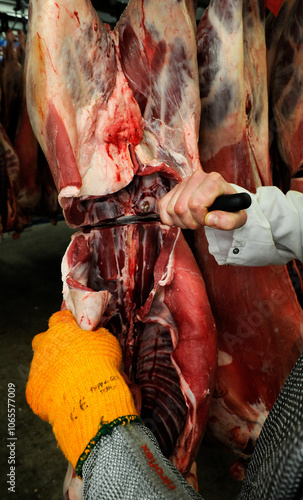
(231, 202)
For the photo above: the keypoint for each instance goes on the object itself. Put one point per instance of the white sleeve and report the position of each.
(272, 234)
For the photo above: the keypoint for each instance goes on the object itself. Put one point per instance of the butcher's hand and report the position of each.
(186, 205)
(75, 383)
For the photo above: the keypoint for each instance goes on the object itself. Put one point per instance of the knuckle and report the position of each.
(215, 178)
(170, 210)
(194, 204)
(197, 175)
(180, 208)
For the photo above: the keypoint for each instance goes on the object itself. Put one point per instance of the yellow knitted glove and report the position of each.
(75, 383)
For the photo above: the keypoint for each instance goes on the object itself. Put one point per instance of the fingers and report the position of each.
(174, 210)
(209, 188)
(190, 206)
(63, 316)
(186, 205)
(65, 336)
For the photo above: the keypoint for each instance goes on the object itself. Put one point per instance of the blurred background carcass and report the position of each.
(27, 190)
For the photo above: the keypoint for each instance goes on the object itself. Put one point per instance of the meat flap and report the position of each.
(159, 61)
(108, 105)
(148, 290)
(80, 105)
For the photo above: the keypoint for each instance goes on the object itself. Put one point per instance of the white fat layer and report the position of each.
(226, 426)
(87, 307)
(68, 192)
(166, 278)
(224, 358)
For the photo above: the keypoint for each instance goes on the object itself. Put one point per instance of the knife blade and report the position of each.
(225, 202)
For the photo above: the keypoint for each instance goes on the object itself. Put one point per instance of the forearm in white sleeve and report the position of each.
(273, 233)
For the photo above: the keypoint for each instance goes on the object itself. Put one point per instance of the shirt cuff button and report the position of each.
(236, 250)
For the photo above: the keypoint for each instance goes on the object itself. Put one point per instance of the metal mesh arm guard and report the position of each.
(128, 465)
(275, 471)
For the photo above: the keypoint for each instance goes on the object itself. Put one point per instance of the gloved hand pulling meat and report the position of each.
(75, 384)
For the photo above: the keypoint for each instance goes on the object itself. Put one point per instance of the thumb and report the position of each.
(225, 221)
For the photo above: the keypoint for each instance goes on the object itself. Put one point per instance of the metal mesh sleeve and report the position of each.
(128, 465)
(275, 471)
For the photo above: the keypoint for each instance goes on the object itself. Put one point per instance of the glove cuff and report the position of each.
(104, 429)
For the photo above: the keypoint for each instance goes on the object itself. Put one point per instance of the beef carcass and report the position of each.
(21, 46)
(274, 27)
(287, 93)
(233, 100)
(258, 317)
(133, 280)
(26, 146)
(117, 115)
(12, 86)
(88, 117)
(35, 193)
(10, 217)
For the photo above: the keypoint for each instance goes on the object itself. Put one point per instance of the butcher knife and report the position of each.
(225, 203)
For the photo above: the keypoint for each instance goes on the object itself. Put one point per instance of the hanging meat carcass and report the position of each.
(26, 146)
(286, 91)
(35, 193)
(21, 46)
(12, 86)
(259, 320)
(10, 218)
(117, 115)
(274, 27)
(284, 38)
